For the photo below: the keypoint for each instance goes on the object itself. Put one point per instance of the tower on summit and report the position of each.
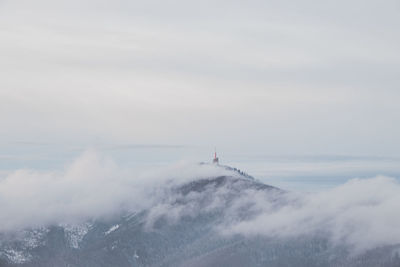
(215, 160)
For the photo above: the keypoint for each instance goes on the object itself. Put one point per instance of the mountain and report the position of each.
(188, 226)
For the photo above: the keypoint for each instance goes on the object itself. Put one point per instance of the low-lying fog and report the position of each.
(361, 213)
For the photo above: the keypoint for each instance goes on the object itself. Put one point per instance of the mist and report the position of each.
(309, 77)
(92, 187)
(359, 214)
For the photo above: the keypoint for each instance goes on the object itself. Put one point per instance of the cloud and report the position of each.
(73, 67)
(91, 187)
(360, 214)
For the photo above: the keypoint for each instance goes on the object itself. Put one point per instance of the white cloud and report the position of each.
(128, 71)
(360, 214)
(92, 187)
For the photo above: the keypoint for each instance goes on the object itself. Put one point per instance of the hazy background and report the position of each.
(284, 89)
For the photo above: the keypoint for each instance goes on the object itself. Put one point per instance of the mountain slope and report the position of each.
(188, 226)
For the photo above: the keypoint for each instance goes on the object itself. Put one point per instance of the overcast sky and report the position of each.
(280, 77)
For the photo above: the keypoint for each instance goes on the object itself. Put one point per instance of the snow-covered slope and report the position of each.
(189, 226)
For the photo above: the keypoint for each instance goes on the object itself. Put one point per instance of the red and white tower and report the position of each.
(215, 160)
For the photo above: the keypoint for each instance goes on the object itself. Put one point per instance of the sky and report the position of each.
(248, 77)
(274, 77)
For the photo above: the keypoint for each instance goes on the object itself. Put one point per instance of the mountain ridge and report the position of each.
(183, 229)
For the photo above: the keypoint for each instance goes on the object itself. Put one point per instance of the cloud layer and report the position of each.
(285, 76)
(91, 187)
(361, 214)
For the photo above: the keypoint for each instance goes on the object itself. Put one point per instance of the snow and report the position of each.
(17, 257)
(75, 233)
(34, 238)
(112, 229)
(130, 216)
(136, 256)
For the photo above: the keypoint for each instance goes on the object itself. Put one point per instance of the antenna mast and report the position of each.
(215, 160)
